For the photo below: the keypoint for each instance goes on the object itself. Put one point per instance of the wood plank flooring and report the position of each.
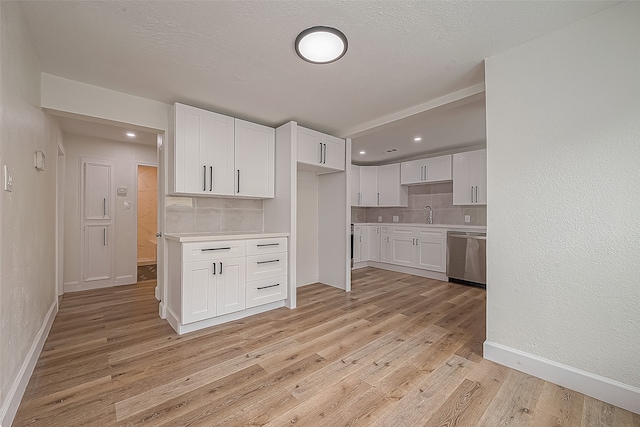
(398, 350)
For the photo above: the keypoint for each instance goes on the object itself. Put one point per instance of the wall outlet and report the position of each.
(395, 218)
(8, 179)
(467, 218)
(379, 218)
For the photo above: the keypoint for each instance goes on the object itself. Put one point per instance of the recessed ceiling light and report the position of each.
(417, 139)
(362, 152)
(131, 134)
(321, 45)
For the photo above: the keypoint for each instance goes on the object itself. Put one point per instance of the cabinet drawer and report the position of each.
(266, 266)
(403, 231)
(203, 251)
(432, 233)
(266, 291)
(266, 246)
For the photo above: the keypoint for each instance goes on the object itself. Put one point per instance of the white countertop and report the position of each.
(211, 237)
(480, 228)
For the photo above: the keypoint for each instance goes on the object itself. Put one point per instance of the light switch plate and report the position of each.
(467, 218)
(8, 179)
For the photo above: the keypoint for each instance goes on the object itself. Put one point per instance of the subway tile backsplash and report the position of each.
(213, 215)
(439, 196)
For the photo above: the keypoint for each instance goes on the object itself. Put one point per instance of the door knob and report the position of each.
(158, 234)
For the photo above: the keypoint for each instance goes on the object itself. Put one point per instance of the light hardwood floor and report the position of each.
(398, 350)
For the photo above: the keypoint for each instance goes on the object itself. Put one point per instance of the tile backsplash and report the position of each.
(439, 196)
(213, 214)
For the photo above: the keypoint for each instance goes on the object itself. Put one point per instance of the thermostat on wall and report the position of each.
(39, 160)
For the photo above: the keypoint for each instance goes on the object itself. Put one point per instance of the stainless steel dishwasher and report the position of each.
(467, 257)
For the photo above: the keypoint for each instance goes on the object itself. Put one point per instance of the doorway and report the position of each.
(147, 222)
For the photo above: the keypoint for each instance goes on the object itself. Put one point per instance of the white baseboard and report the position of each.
(596, 386)
(428, 274)
(16, 392)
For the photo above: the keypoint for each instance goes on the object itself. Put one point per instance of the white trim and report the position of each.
(87, 286)
(596, 386)
(16, 392)
(190, 327)
(428, 274)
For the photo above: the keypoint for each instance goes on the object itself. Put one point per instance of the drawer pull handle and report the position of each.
(268, 244)
(270, 286)
(216, 249)
(267, 262)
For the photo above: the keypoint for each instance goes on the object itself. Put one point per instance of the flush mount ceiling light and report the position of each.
(321, 45)
(362, 152)
(417, 139)
(131, 134)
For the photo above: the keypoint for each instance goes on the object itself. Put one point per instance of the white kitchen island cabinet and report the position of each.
(217, 155)
(216, 281)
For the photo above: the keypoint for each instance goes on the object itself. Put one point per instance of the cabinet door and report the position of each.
(97, 190)
(432, 254)
(333, 156)
(478, 176)
(203, 152)
(255, 159)
(355, 185)
(98, 254)
(385, 247)
(411, 172)
(403, 246)
(230, 286)
(374, 243)
(391, 192)
(198, 291)
(357, 243)
(438, 169)
(310, 148)
(369, 185)
(470, 178)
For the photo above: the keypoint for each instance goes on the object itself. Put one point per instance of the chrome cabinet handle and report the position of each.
(270, 286)
(214, 268)
(238, 180)
(221, 267)
(325, 154)
(104, 237)
(267, 262)
(268, 244)
(476, 194)
(211, 179)
(204, 179)
(320, 152)
(472, 194)
(104, 206)
(215, 249)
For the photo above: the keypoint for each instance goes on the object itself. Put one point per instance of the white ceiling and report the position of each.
(238, 58)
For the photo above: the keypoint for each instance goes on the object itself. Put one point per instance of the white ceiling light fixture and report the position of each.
(131, 134)
(321, 45)
(417, 139)
(362, 152)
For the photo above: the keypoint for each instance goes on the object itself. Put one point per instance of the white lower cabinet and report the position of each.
(416, 247)
(209, 280)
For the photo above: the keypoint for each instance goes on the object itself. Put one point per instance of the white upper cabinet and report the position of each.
(355, 185)
(319, 152)
(254, 159)
(470, 178)
(389, 188)
(421, 171)
(377, 186)
(368, 186)
(211, 152)
(203, 152)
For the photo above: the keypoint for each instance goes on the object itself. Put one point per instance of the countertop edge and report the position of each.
(212, 237)
(405, 224)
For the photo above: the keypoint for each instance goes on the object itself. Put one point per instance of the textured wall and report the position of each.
(27, 215)
(125, 155)
(147, 213)
(563, 190)
(439, 196)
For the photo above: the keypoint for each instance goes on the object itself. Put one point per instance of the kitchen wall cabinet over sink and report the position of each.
(319, 152)
(217, 155)
(470, 178)
(422, 171)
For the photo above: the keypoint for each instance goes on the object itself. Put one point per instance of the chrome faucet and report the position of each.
(429, 215)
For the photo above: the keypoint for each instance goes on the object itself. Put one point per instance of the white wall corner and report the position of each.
(610, 391)
(16, 392)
